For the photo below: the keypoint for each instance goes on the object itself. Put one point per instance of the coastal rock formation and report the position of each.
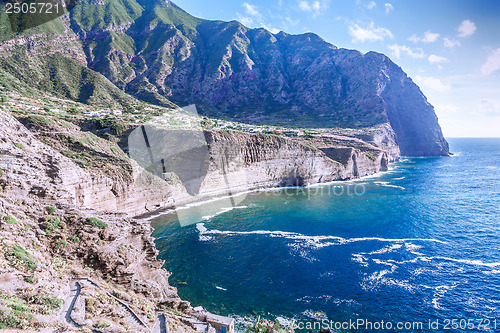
(47, 242)
(236, 162)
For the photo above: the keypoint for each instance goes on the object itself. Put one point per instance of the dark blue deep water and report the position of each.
(420, 242)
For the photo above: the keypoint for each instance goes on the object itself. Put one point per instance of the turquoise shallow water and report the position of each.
(420, 242)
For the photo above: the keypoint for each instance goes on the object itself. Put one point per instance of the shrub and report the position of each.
(40, 120)
(68, 153)
(23, 256)
(61, 243)
(30, 279)
(52, 223)
(50, 209)
(19, 307)
(97, 223)
(101, 324)
(1, 172)
(19, 145)
(9, 321)
(10, 219)
(74, 239)
(90, 305)
(48, 302)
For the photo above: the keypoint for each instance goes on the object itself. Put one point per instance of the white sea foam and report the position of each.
(494, 271)
(154, 216)
(359, 258)
(387, 184)
(310, 241)
(412, 247)
(285, 322)
(399, 178)
(202, 230)
(222, 211)
(468, 262)
(316, 315)
(439, 294)
(389, 248)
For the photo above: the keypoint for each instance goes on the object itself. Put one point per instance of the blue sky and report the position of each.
(451, 48)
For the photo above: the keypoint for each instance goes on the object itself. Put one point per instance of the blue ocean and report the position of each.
(417, 244)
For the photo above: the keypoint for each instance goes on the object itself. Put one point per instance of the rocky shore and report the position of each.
(62, 220)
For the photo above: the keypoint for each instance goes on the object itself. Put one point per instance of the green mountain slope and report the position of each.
(156, 52)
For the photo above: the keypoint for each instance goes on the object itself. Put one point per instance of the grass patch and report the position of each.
(20, 307)
(74, 239)
(8, 320)
(68, 153)
(51, 224)
(50, 209)
(97, 223)
(46, 302)
(10, 219)
(101, 324)
(41, 120)
(21, 255)
(30, 279)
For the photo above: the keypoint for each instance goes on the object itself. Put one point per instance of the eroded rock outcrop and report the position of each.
(47, 241)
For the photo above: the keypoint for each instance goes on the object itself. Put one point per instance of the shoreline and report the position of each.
(171, 209)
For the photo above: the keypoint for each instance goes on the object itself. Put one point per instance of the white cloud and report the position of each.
(488, 107)
(492, 64)
(371, 5)
(435, 59)
(245, 20)
(253, 18)
(432, 83)
(429, 37)
(467, 28)
(446, 108)
(309, 7)
(371, 33)
(448, 42)
(315, 7)
(399, 49)
(388, 8)
(271, 29)
(291, 22)
(251, 9)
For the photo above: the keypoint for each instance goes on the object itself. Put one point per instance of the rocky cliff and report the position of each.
(156, 52)
(47, 242)
(65, 194)
(236, 162)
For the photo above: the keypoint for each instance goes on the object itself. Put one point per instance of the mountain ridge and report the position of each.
(158, 53)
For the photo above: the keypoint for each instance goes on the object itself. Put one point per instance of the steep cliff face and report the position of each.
(48, 243)
(276, 161)
(156, 52)
(69, 221)
(239, 162)
(236, 162)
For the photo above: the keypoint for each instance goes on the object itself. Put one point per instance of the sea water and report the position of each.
(419, 243)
